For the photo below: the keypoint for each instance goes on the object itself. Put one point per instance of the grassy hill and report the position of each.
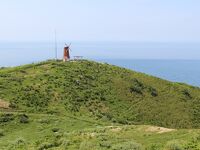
(84, 105)
(100, 91)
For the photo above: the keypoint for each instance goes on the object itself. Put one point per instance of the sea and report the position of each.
(178, 62)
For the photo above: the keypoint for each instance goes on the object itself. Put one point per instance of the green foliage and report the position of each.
(1, 133)
(47, 145)
(193, 144)
(44, 121)
(153, 91)
(101, 91)
(19, 143)
(61, 132)
(85, 145)
(131, 145)
(23, 118)
(137, 87)
(55, 129)
(6, 117)
(186, 93)
(32, 96)
(154, 147)
(105, 144)
(174, 145)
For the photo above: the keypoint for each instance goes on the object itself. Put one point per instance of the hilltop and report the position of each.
(87, 105)
(99, 91)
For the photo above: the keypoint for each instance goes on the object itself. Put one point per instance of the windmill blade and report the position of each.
(69, 46)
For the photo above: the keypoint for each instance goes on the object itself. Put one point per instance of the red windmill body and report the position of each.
(66, 55)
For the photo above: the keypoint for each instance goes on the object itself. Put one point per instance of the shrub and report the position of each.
(186, 93)
(154, 147)
(44, 121)
(128, 146)
(122, 121)
(105, 144)
(46, 145)
(19, 143)
(23, 118)
(1, 133)
(65, 143)
(136, 87)
(153, 91)
(86, 145)
(55, 129)
(33, 97)
(6, 118)
(174, 145)
(191, 146)
(13, 104)
(49, 144)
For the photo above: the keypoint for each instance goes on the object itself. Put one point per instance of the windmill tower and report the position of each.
(66, 54)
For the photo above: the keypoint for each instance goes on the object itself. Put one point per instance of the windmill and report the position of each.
(66, 54)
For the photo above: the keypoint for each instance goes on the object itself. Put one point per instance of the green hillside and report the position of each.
(101, 91)
(85, 105)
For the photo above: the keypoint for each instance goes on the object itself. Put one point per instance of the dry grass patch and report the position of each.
(158, 129)
(4, 104)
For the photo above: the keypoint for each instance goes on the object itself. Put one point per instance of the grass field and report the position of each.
(92, 106)
(43, 131)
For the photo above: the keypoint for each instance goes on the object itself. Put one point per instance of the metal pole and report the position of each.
(56, 57)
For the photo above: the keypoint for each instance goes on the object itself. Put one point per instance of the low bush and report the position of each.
(19, 143)
(44, 121)
(153, 92)
(1, 133)
(32, 97)
(13, 104)
(6, 118)
(154, 147)
(174, 145)
(55, 129)
(191, 146)
(45, 146)
(23, 118)
(136, 87)
(105, 144)
(50, 144)
(128, 146)
(86, 145)
(186, 93)
(121, 121)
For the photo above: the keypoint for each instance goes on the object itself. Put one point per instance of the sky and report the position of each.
(100, 20)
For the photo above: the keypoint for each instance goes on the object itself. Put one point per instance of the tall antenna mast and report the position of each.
(56, 57)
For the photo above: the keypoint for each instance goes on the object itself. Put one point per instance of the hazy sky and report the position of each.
(100, 20)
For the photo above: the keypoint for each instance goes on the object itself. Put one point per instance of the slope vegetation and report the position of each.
(100, 91)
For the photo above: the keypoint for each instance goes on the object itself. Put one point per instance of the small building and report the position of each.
(78, 57)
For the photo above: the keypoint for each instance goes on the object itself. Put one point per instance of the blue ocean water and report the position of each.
(178, 62)
(185, 71)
